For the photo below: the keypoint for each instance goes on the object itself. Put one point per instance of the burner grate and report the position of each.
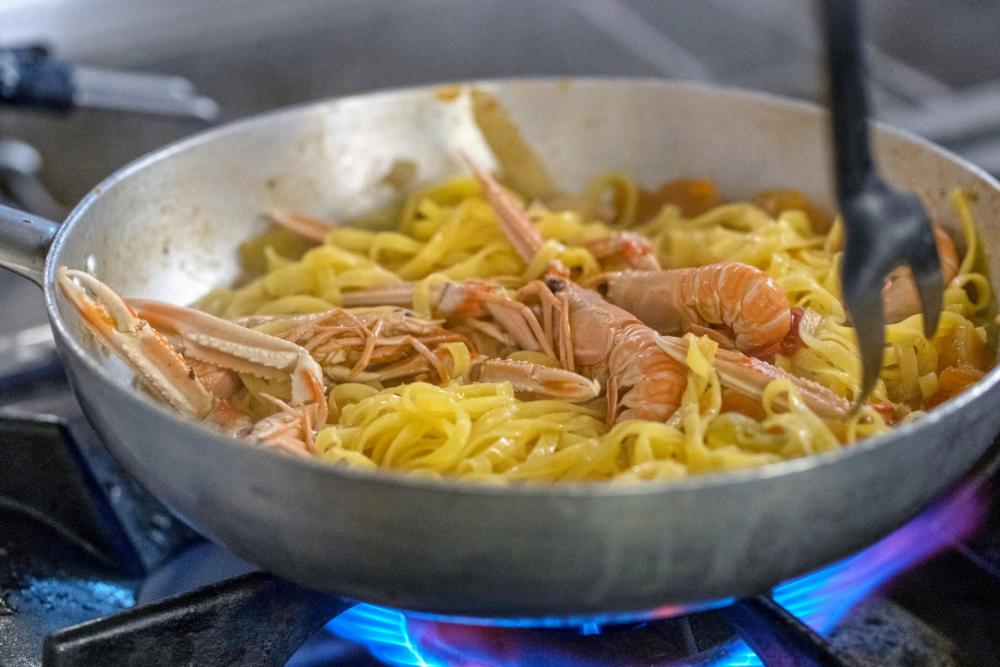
(778, 637)
(220, 624)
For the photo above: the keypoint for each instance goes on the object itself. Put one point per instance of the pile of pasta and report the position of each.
(481, 431)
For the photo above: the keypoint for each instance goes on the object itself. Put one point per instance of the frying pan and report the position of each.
(167, 226)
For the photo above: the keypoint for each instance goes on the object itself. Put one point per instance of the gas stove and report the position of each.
(94, 571)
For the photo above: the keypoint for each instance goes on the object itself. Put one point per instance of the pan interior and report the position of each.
(169, 226)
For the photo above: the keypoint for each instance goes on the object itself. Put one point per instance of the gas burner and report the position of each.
(772, 626)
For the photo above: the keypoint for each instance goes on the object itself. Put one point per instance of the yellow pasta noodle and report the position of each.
(482, 432)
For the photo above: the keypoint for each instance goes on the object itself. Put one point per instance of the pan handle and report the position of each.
(24, 242)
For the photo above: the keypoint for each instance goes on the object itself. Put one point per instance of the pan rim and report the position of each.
(388, 476)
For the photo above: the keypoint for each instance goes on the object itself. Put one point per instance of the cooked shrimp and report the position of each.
(591, 339)
(291, 429)
(226, 344)
(499, 324)
(168, 375)
(750, 376)
(511, 216)
(745, 300)
(645, 374)
(468, 302)
(613, 347)
(367, 344)
(576, 326)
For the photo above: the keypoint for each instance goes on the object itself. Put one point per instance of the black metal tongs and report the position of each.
(884, 227)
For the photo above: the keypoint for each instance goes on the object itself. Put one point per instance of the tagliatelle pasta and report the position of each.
(406, 391)
(482, 431)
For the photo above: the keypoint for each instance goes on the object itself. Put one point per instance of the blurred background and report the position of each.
(934, 67)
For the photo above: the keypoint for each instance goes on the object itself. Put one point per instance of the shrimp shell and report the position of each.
(740, 297)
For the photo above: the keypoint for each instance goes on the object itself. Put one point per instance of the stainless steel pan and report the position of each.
(167, 227)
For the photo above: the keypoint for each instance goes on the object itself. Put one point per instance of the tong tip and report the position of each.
(931, 290)
(868, 319)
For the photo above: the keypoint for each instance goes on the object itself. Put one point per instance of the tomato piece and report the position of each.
(952, 381)
(776, 202)
(692, 196)
(734, 400)
(962, 346)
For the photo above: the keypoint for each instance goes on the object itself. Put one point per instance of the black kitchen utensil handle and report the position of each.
(848, 101)
(30, 77)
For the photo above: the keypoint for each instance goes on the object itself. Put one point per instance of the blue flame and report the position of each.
(822, 598)
(383, 631)
(819, 599)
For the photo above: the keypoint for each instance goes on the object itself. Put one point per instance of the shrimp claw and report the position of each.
(537, 380)
(139, 345)
(751, 376)
(214, 349)
(217, 341)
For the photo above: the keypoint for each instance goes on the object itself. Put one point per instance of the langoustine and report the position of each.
(738, 304)
(168, 375)
(374, 344)
(644, 380)
(600, 341)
